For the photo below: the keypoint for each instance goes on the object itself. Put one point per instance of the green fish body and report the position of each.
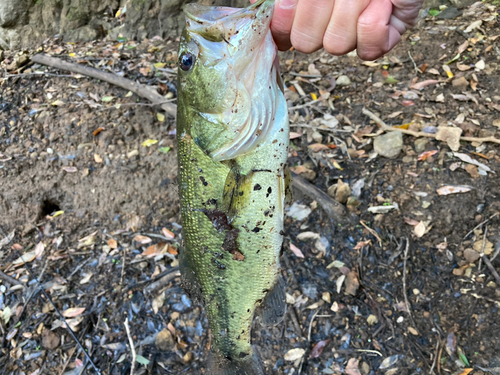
(233, 135)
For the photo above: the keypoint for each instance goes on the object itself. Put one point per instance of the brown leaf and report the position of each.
(352, 367)
(73, 311)
(98, 130)
(168, 234)
(237, 255)
(318, 348)
(26, 257)
(142, 240)
(352, 283)
(472, 170)
(446, 190)
(112, 243)
(427, 154)
(421, 85)
(50, 340)
(317, 147)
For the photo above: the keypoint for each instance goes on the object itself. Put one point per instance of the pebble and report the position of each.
(343, 192)
(471, 255)
(132, 153)
(50, 151)
(389, 145)
(343, 80)
(420, 144)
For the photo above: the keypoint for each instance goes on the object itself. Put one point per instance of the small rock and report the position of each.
(343, 80)
(471, 255)
(34, 155)
(460, 82)
(132, 153)
(420, 144)
(389, 145)
(343, 192)
(50, 151)
(449, 14)
(164, 340)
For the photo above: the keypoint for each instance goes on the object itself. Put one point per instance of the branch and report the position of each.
(388, 128)
(139, 89)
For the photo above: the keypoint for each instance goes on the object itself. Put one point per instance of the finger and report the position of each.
(310, 23)
(376, 34)
(407, 11)
(341, 33)
(281, 26)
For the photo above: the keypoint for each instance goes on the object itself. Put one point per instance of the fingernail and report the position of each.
(287, 4)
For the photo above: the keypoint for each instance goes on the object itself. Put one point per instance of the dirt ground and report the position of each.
(88, 193)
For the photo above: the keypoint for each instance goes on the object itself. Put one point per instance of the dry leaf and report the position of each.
(352, 367)
(39, 250)
(168, 234)
(318, 348)
(25, 258)
(450, 135)
(420, 229)
(294, 354)
(86, 278)
(73, 312)
(352, 283)
(446, 190)
(142, 240)
(298, 253)
(112, 243)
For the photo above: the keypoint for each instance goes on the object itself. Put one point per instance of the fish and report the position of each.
(233, 138)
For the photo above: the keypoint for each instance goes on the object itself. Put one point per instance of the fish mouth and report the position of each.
(217, 24)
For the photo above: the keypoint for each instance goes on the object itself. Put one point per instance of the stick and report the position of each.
(491, 268)
(388, 128)
(333, 209)
(141, 90)
(9, 279)
(407, 303)
(132, 348)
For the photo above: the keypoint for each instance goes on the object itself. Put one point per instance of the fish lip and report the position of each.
(262, 6)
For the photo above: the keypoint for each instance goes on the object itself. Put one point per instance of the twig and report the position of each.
(123, 267)
(70, 354)
(413, 61)
(478, 296)
(163, 280)
(373, 232)
(491, 268)
(141, 90)
(481, 224)
(132, 348)
(311, 325)
(482, 248)
(388, 128)
(431, 371)
(333, 209)
(407, 303)
(10, 279)
(305, 105)
(158, 277)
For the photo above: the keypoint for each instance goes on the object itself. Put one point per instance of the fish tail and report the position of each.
(248, 365)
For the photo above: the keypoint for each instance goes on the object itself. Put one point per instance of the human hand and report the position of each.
(372, 27)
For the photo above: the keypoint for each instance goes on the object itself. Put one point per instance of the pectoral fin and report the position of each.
(274, 304)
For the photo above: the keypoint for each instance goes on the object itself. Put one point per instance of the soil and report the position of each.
(85, 168)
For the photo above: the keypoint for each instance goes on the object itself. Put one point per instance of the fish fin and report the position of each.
(248, 365)
(288, 186)
(274, 304)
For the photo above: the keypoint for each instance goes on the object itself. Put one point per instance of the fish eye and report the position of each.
(186, 61)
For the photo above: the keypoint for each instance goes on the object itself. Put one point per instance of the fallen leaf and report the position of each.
(142, 240)
(25, 258)
(450, 135)
(112, 243)
(446, 190)
(317, 147)
(294, 135)
(164, 150)
(447, 69)
(294, 354)
(419, 229)
(389, 361)
(421, 85)
(149, 142)
(352, 367)
(413, 331)
(427, 154)
(466, 371)
(352, 283)
(39, 250)
(466, 158)
(318, 348)
(167, 234)
(70, 169)
(73, 312)
(58, 103)
(411, 221)
(107, 99)
(160, 117)
(298, 253)
(86, 278)
(97, 131)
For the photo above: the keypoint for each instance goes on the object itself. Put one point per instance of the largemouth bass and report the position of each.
(232, 132)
